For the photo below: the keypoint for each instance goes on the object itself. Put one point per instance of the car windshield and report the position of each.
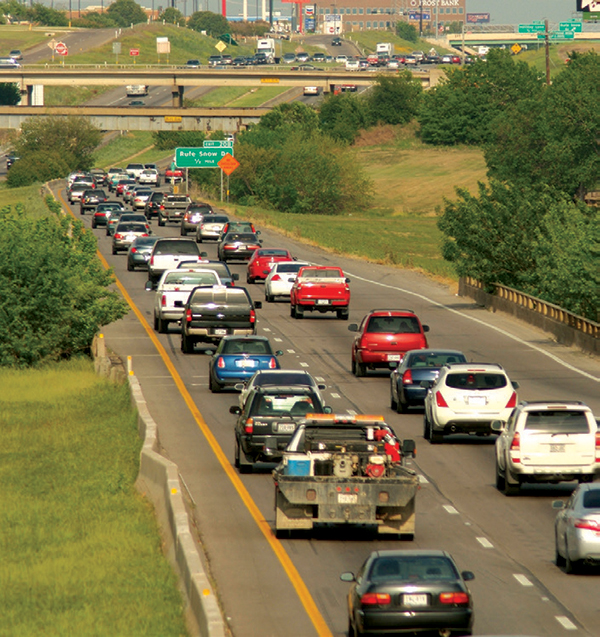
(285, 404)
(177, 247)
(393, 325)
(476, 380)
(246, 346)
(560, 421)
(412, 569)
(191, 278)
(435, 359)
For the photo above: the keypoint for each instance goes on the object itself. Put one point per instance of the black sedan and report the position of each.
(405, 591)
(239, 246)
(416, 366)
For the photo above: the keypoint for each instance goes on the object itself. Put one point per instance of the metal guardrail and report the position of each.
(541, 307)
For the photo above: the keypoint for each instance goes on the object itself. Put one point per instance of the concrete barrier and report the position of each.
(568, 328)
(158, 480)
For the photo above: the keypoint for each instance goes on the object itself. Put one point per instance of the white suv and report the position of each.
(466, 398)
(547, 442)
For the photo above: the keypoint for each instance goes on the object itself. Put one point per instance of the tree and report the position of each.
(396, 99)
(171, 15)
(126, 12)
(48, 16)
(213, 23)
(73, 138)
(54, 292)
(406, 31)
(38, 166)
(461, 109)
(342, 116)
(10, 95)
(167, 140)
(289, 114)
(552, 138)
(536, 241)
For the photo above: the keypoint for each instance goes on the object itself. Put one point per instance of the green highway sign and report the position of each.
(572, 25)
(532, 28)
(200, 157)
(217, 143)
(558, 35)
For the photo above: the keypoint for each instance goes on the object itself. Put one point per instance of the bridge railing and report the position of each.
(567, 327)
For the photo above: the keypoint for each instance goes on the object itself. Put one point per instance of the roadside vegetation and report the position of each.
(81, 551)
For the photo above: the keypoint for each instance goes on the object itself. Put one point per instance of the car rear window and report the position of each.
(223, 296)
(287, 378)
(476, 380)
(419, 568)
(191, 278)
(591, 499)
(285, 404)
(239, 237)
(131, 227)
(289, 267)
(557, 422)
(393, 325)
(273, 253)
(216, 219)
(177, 247)
(243, 346)
(434, 359)
(322, 274)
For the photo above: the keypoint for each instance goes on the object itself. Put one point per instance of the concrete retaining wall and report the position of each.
(570, 330)
(158, 480)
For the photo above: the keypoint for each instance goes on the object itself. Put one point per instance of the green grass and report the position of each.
(72, 95)
(81, 551)
(535, 56)
(238, 96)
(122, 147)
(29, 196)
(367, 41)
(16, 36)
(258, 96)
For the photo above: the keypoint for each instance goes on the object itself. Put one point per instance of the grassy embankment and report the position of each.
(81, 551)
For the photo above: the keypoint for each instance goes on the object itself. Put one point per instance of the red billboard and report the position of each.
(478, 18)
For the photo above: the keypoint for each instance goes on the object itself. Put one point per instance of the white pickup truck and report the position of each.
(172, 294)
(168, 253)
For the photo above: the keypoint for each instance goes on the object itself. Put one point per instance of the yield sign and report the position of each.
(228, 164)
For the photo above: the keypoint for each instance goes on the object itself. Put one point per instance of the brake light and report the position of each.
(229, 247)
(152, 260)
(597, 446)
(249, 426)
(440, 401)
(133, 250)
(145, 234)
(221, 362)
(273, 363)
(188, 315)
(163, 300)
(513, 401)
(407, 378)
(118, 235)
(454, 598)
(515, 448)
(162, 207)
(252, 316)
(376, 599)
(275, 277)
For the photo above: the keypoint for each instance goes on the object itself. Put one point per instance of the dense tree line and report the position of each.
(54, 292)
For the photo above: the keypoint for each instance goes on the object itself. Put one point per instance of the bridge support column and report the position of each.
(177, 94)
(26, 95)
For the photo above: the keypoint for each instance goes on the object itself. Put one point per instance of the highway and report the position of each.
(292, 587)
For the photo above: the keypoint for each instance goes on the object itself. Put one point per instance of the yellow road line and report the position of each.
(288, 566)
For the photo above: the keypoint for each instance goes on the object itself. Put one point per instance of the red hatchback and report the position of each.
(262, 261)
(383, 337)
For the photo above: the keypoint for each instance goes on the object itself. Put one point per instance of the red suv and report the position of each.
(383, 337)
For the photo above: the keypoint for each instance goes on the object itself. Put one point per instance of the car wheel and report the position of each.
(361, 369)
(426, 430)
(93, 223)
(249, 279)
(500, 480)
(130, 266)
(81, 211)
(510, 488)
(343, 314)
(214, 387)
(198, 239)
(161, 221)
(351, 630)
(571, 566)
(155, 323)
(293, 311)
(402, 406)
(559, 560)
(187, 344)
(183, 232)
(236, 460)
(114, 251)
(269, 298)
(299, 312)
(163, 326)
(393, 403)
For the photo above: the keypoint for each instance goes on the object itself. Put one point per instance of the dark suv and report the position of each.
(91, 198)
(268, 420)
(153, 204)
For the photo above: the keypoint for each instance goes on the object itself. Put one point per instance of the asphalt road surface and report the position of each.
(292, 587)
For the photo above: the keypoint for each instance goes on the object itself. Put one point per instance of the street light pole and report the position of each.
(421, 19)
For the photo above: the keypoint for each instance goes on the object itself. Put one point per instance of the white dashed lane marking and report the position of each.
(522, 580)
(291, 351)
(485, 543)
(450, 509)
(565, 622)
(303, 364)
(334, 395)
(278, 340)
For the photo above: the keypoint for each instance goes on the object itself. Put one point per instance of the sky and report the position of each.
(523, 11)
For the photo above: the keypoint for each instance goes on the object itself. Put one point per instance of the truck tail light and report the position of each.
(454, 598)
(163, 300)
(440, 401)
(515, 448)
(512, 402)
(376, 599)
(272, 363)
(249, 426)
(220, 362)
(252, 316)
(407, 378)
(118, 235)
(162, 207)
(188, 316)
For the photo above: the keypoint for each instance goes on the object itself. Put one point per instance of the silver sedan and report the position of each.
(577, 528)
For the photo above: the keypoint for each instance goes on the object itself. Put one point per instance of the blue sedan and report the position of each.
(416, 366)
(237, 358)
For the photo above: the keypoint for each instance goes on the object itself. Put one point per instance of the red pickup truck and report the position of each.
(320, 289)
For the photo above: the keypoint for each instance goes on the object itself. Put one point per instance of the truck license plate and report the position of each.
(393, 357)
(414, 600)
(220, 332)
(322, 301)
(557, 448)
(347, 498)
(286, 428)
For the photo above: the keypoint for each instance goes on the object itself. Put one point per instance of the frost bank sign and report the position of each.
(436, 3)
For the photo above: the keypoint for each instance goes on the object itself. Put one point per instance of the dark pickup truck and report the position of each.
(172, 208)
(213, 312)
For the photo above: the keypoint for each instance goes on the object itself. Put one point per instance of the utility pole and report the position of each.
(421, 19)
(547, 39)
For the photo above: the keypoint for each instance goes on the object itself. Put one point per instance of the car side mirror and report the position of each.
(204, 255)
(558, 505)
(327, 409)
(210, 352)
(468, 576)
(322, 386)
(266, 271)
(235, 276)
(409, 448)
(353, 327)
(426, 328)
(515, 384)
(149, 287)
(257, 232)
(279, 352)
(347, 280)
(239, 386)
(347, 577)
(497, 425)
(257, 305)
(294, 258)
(235, 409)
